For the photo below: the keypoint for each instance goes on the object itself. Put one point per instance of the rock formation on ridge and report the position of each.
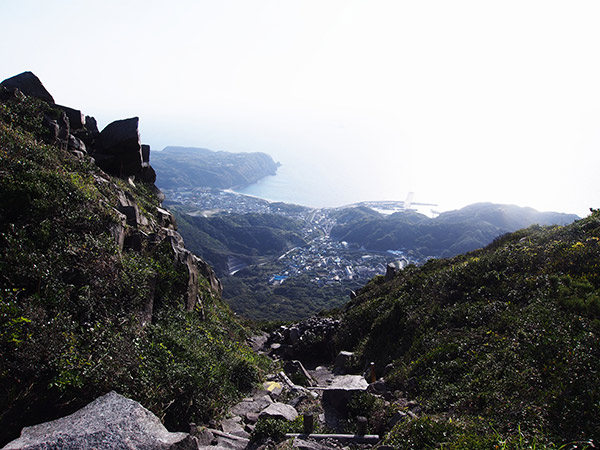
(96, 286)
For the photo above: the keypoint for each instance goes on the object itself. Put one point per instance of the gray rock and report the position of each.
(381, 388)
(322, 375)
(348, 383)
(121, 133)
(273, 388)
(232, 425)
(294, 335)
(147, 175)
(117, 229)
(109, 422)
(304, 444)
(309, 340)
(29, 84)
(258, 342)
(280, 411)
(203, 435)
(187, 443)
(78, 154)
(241, 433)
(398, 417)
(342, 389)
(165, 218)
(251, 406)
(342, 362)
(378, 387)
(76, 144)
(228, 441)
(128, 206)
(145, 155)
(58, 128)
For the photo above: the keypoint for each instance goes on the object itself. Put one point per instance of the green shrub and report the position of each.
(275, 429)
(419, 434)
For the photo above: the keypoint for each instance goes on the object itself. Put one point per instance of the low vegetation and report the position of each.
(498, 345)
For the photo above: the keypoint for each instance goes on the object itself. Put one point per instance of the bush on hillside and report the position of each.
(509, 334)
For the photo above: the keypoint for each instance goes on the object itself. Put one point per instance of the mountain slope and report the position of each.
(247, 237)
(97, 292)
(503, 340)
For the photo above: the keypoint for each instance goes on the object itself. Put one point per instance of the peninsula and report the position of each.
(191, 167)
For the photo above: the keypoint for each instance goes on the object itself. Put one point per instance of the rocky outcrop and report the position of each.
(298, 373)
(77, 119)
(119, 149)
(29, 84)
(109, 422)
(309, 340)
(390, 271)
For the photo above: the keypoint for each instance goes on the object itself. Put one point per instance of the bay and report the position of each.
(318, 185)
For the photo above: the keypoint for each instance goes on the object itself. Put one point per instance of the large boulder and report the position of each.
(76, 117)
(119, 149)
(29, 84)
(279, 411)
(343, 388)
(109, 422)
(251, 405)
(343, 361)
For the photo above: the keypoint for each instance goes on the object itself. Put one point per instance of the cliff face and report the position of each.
(97, 291)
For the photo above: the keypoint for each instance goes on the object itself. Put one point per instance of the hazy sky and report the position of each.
(458, 101)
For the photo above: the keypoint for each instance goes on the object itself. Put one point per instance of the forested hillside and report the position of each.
(249, 238)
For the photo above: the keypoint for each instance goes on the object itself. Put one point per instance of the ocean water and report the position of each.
(317, 184)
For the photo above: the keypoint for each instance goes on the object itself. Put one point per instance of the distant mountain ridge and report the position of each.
(192, 167)
(449, 234)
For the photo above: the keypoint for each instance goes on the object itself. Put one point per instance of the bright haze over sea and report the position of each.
(458, 101)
